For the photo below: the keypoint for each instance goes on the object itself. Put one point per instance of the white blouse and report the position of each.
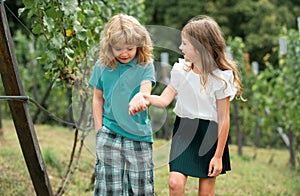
(193, 99)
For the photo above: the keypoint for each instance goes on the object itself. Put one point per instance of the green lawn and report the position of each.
(258, 172)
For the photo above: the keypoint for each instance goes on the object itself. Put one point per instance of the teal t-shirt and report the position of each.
(119, 85)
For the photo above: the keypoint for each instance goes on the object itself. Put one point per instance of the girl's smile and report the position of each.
(188, 49)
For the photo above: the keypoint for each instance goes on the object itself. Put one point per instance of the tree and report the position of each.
(1, 126)
(287, 90)
(277, 91)
(257, 25)
(67, 34)
(242, 108)
(256, 22)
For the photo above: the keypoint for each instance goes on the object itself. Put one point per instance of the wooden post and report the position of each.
(20, 113)
(1, 126)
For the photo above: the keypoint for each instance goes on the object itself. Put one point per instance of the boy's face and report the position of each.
(124, 53)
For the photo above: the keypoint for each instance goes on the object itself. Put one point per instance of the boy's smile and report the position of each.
(125, 53)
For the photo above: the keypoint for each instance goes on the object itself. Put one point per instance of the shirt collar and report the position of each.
(131, 63)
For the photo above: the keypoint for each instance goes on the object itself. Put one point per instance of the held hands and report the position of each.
(138, 103)
(215, 167)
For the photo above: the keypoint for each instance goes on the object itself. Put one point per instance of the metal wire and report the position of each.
(27, 98)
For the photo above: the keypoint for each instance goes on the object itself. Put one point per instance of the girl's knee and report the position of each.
(175, 183)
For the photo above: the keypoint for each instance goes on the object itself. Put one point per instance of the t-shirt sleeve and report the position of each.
(149, 74)
(225, 87)
(95, 79)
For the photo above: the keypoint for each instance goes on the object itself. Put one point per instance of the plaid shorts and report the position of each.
(123, 166)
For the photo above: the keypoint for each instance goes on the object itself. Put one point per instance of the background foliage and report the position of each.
(252, 29)
(257, 22)
(56, 46)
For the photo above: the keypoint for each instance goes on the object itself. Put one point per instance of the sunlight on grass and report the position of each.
(257, 172)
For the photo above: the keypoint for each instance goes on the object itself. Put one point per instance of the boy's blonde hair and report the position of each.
(124, 29)
(206, 36)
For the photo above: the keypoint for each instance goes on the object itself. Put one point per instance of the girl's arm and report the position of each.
(146, 87)
(164, 99)
(223, 108)
(161, 101)
(98, 108)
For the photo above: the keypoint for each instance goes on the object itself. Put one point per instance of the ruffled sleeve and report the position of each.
(223, 84)
(177, 74)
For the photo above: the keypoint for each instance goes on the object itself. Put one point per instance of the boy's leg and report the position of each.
(109, 167)
(139, 167)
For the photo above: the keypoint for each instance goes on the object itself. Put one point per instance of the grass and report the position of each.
(249, 175)
(258, 172)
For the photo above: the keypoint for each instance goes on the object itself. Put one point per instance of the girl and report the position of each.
(205, 82)
(123, 144)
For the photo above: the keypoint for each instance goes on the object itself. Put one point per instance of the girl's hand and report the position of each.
(215, 167)
(137, 104)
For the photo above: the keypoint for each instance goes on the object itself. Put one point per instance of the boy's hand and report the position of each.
(137, 104)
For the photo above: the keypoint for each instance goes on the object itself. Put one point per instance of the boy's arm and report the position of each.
(138, 101)
(98, 108)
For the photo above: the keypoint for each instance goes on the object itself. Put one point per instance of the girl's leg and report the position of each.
(206, 186)
(177, 183)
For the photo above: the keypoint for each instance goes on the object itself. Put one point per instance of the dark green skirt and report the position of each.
(194, 144)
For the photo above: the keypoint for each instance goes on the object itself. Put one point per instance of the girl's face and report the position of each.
(124, 53)
(188, 49)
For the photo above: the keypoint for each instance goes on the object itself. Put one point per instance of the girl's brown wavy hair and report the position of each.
(206, 36)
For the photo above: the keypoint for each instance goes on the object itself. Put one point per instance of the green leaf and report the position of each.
(29, 3)
(49, 23)
(78, 28)
(20, 11)
(57, 41)
(69, 51)
(37, 29)
(52, 12)
(69, 7)
(51, 56)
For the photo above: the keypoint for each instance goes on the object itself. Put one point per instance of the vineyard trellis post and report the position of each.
(19, 109)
